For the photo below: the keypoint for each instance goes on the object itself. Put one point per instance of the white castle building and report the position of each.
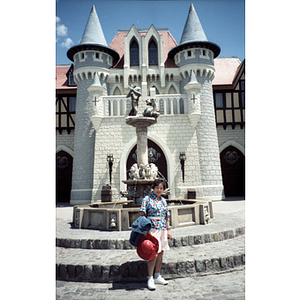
(198, 142)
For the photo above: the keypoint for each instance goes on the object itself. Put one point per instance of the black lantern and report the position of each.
(182, 158)
(110, 160)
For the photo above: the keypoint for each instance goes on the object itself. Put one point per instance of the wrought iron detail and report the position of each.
(231, 157)
(62, 162)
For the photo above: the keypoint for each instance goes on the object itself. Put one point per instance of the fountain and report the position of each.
(142, 174)
(119, 215)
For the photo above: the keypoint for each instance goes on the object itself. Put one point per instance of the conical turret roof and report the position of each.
(194, 36)
(93, 38)
(93, 33)
(193, 31)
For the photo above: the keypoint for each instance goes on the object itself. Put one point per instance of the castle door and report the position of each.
(233, 172)
(64, 163)
(155, 155)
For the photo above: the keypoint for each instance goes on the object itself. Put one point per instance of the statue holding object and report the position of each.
(134, 94)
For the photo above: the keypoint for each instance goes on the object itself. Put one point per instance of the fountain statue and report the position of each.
(141, 174)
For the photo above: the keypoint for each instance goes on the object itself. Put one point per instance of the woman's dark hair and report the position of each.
(157, 182)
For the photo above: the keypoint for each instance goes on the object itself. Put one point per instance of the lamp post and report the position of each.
(110, 160)
(182, 158)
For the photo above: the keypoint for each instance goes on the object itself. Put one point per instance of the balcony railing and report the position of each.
(169, 104)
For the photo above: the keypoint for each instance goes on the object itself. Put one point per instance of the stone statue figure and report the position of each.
(149, 171)
(134, 172)
(134, 95)
(151, 111)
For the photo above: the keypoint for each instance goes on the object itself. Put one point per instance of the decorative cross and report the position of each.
(194, 98)
(95, 101)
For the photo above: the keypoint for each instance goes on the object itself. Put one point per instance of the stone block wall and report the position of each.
(208, 145)
(234, 137)
(65, 139)
(173, 133)
(83, 160)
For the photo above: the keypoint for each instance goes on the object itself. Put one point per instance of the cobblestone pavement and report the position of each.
(224, 286)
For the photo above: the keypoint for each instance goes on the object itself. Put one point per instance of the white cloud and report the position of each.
(67, 43)
(61, 30)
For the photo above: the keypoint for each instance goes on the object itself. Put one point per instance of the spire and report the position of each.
(93, 39)
(193, 82)
(96, 85)
(193, 77)
(193, 36)
(193, 31)
(93, 33)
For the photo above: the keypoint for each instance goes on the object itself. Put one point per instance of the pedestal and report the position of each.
(138, 189)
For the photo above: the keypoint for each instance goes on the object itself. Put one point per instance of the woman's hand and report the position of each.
(169, 234)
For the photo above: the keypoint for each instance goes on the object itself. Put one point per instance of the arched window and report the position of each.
(153, 57)
(134, 54)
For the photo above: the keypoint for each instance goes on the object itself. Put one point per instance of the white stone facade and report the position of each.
(184, 95)
(193, 132)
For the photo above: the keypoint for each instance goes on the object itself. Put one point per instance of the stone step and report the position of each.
(179, 239)
(117, 265)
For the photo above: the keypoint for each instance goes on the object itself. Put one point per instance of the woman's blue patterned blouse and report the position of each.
(153, 207)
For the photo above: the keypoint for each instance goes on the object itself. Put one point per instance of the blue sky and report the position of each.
(223, 21)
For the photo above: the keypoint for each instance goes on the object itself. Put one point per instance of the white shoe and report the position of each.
(160, 280)
(150, 284)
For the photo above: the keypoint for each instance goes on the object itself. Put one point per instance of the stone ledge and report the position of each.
(123, 244)
(126, 266)
(136, 271)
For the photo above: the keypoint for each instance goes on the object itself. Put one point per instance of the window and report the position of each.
(204, 52)
(153, 57)
(242, 85)
(82, 55)
(219, 100)
(134, 54)
(72, 104)
(230, 108)
(65, 113)
(97, 55)
(189, 53)
(71, 80)
(243, 99)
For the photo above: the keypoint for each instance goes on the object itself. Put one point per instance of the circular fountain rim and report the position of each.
(138, 121)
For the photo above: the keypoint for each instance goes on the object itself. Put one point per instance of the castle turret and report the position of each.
(195, 58)
(92, 59)
(193, 88)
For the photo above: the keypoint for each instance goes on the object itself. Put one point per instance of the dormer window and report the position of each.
(134, 54)
(153, 56)
(70, 76)
(71, 80)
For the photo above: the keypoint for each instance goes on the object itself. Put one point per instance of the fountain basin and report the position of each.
(138, 121)
(119, 217)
